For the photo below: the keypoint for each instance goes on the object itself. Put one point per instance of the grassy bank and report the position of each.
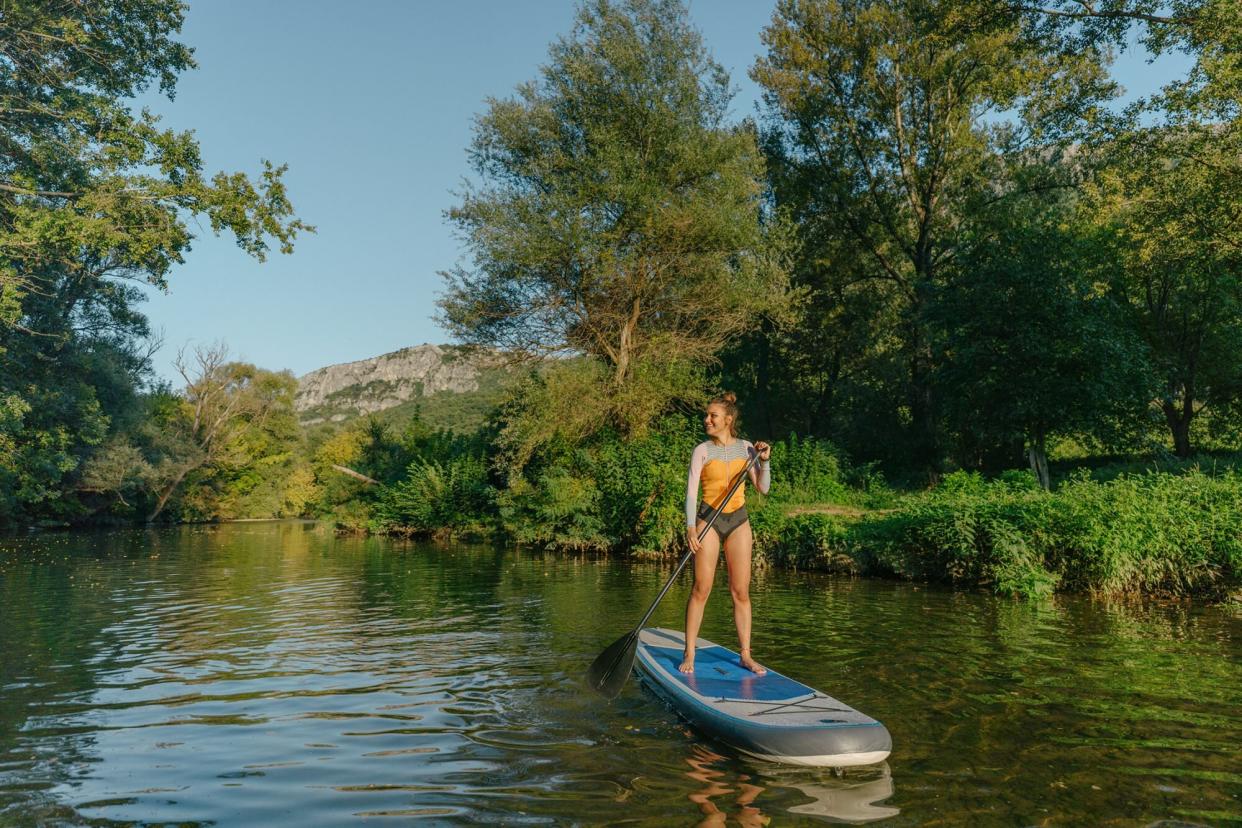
(1149, 533)
(1173, 532)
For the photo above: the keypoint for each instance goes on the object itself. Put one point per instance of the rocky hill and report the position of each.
(351, 389)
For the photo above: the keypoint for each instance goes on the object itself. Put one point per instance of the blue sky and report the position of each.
(371, 104)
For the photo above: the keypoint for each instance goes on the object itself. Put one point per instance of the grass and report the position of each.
(1149, 533)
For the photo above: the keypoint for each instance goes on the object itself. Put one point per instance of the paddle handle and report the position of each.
(741, 478)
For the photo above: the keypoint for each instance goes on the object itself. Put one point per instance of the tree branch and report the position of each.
(1091, 13)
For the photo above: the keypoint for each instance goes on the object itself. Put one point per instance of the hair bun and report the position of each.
(729, 397)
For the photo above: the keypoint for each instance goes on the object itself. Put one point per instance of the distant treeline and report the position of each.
(941, 247)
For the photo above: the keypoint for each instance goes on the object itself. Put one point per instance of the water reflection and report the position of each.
(839, 797)
(853, 798)
(741, 795)
(277, 675)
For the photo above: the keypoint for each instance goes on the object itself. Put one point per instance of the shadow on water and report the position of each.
(275, 674)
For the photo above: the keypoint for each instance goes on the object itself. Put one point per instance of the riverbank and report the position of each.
(1151, 533)
(1137, 534)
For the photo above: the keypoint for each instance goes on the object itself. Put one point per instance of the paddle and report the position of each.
(610, 669)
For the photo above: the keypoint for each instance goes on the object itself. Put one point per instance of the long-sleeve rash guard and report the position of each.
(716, 466)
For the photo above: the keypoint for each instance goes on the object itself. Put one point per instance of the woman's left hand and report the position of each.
(763, 450)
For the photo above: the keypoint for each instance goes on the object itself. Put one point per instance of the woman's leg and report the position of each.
(737, 559)
(704, 573)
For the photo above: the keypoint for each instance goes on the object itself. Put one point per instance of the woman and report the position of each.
(716, 463)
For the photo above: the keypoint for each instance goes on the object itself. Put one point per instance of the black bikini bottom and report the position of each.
(727, 522)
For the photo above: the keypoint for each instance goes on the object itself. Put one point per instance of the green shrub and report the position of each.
(807, 470)
(809, 541)
(1152, 532)
(1136, 533)
(451, 496)
(967, 531)
(559, 509)
(354, 516)
(642, 485)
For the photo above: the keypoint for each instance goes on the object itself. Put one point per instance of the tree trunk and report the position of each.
(627, 343)
(923, 414)
(1179, 423)
(922, 396)
(763, 385)
(356, 475)
(1038, 453)
(167, 492)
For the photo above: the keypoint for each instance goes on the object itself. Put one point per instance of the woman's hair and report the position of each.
(728, 401)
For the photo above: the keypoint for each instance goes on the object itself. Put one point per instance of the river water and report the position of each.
(273, 674)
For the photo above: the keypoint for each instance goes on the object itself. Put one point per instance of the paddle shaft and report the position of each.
(741, 478)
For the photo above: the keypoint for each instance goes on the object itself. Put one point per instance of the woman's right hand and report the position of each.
(692, 540)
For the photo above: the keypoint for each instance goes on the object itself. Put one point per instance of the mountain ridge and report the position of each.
(342, 391)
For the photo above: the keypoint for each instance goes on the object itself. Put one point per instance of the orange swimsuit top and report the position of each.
(716, 466)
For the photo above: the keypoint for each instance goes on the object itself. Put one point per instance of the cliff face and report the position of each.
(338, 392)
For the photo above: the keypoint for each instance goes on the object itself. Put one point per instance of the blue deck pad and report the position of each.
(719, 674)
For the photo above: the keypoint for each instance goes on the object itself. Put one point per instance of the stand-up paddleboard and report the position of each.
(770, 717)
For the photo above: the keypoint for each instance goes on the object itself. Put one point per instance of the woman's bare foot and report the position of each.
(687, 663)
(752, 665)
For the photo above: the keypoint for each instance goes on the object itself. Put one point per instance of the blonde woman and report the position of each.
(714, 466)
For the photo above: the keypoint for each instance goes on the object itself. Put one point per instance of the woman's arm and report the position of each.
(760, 473)
(698, 459)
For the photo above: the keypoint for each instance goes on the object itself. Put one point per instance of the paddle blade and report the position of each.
(610, 669)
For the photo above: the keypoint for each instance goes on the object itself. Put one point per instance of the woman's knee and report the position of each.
(700, 591)
(740, 593)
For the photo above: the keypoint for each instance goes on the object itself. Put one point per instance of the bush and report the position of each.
(439, 497)
(808, 471)
(965, 532)
(559, 509)
(1137, 533)
(811, 541)
(1178, 534)
(1152, 533)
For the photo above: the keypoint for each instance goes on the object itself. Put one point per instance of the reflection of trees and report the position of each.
(56, 604)
(1035, 697)
(981, 694)
(91, 621)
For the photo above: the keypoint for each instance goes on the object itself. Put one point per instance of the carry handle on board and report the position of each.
(610, 669)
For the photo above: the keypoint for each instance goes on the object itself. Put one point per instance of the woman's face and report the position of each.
(716, 421)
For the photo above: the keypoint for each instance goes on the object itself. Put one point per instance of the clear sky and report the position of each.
(371, 104)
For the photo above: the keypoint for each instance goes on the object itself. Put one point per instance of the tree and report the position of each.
(1171, 192)
(91, 190)
(95, 197)
(1035, 344)
(1172, 199)
(225, 407)
(1208, 30)
(620, 218)
(887, 122)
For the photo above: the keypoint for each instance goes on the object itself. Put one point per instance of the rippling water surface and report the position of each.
(270, 673)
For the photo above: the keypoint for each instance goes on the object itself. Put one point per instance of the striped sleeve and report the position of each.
(697, 460)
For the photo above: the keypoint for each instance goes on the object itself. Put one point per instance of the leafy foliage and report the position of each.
(619, 216)
(93, 198)
(889, 127)
(1148, 533)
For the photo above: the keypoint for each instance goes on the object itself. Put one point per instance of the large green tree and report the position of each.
(619, 215)
(1035, 344)
(1173, 199)
(1171, 193)
(888, 122)
(94, 198)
